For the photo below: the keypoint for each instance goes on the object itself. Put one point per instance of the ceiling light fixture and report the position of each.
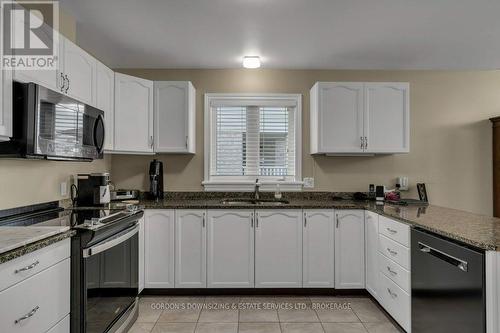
(251, 62)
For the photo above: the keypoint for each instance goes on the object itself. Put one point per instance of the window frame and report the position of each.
(247, 183)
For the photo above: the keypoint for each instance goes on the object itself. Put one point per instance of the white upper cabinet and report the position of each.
(336, 117)
(349, 249)
(371, 253)
(360, 118)
(79, 70)
(190, 248)
(230, 249)
(52, 79)
(175, 118)
(105, 101)
(5, 104)
(158, 248)
(133, 125)
(387, 117)
(318, 249)
(278, 248)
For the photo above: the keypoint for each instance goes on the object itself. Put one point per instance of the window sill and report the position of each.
(218, 186)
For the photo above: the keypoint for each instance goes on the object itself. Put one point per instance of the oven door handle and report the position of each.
(113, 241)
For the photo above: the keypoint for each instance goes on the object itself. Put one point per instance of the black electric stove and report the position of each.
(104, 261)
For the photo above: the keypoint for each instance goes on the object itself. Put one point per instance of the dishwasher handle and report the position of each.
(461, 264)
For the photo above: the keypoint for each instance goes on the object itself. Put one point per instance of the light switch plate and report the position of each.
(308, 182)
(64, 189)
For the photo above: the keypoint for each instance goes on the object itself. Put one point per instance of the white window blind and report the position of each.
(253, 141)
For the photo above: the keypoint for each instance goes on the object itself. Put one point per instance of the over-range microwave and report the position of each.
(50, 125)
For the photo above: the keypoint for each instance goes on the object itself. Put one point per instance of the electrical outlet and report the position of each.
(308, 182)
(64, 189)
(403, 183)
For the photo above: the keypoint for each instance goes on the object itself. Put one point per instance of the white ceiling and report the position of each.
(298, 34)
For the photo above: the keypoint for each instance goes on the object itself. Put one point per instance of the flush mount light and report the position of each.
(251, 62)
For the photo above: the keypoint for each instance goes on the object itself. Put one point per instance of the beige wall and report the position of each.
(26, 182)
(450, 133)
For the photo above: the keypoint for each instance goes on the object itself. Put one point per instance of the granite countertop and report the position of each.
(18, 241)
(472, 229)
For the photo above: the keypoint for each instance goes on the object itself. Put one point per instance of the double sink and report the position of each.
(250, 201)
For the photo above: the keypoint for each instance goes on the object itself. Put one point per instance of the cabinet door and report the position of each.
(105, 94)
(230, 249)
(371, 253)
(190, 249)
(133, 114)
(387, 117)
(80, 69)
(141, 254)
(174, 128)
(5, 104)
(318, 249)
(48, 78)
(278, 248)
(349, 249)
(340, 117)
(159, 248)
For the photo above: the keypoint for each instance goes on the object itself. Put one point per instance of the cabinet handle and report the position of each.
(392, 251)
(256, 220)
(63, 82)
(203, 220)
(151, 140)
(187, 141)
(252, 221)
(392, 231)
(391, 271)
(366, 142)
(337, 220)
(28, 315)
(67, 80)
(27, 268)
(362, 142)
(305, 220)
(393, 295)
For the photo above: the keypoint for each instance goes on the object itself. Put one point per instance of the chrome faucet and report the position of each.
(256, 190)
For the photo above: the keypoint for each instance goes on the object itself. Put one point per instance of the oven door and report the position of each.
(111, 279)
(66, 128)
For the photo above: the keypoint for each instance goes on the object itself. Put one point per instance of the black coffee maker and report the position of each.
(156, 179)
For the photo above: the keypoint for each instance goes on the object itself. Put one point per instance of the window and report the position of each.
(250, 137)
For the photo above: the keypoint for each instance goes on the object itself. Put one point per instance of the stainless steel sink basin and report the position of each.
(245, 201)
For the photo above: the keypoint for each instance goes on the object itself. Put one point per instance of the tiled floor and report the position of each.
(260, 315)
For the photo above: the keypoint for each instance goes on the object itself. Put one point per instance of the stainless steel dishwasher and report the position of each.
(447, 286)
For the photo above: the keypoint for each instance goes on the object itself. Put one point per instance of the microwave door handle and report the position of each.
(119, 238)
(99, 145)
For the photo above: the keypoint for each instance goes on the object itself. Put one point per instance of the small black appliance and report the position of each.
(92, 190)
(156, 179)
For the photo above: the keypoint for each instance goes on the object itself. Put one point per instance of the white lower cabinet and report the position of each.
(278, 248)
(318, 248)
(37, 303)
(395, 301)
(159, 248)
(230, 249)
(61, 327)
(141, 254)
(349, 249)
(371, 253)
(190, 248)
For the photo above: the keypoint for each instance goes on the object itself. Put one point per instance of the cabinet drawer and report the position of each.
(395, 301)
(44, 299)
(395, 272)
(21, 268)
(395, 230)
(61, 327)
(395, 251)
